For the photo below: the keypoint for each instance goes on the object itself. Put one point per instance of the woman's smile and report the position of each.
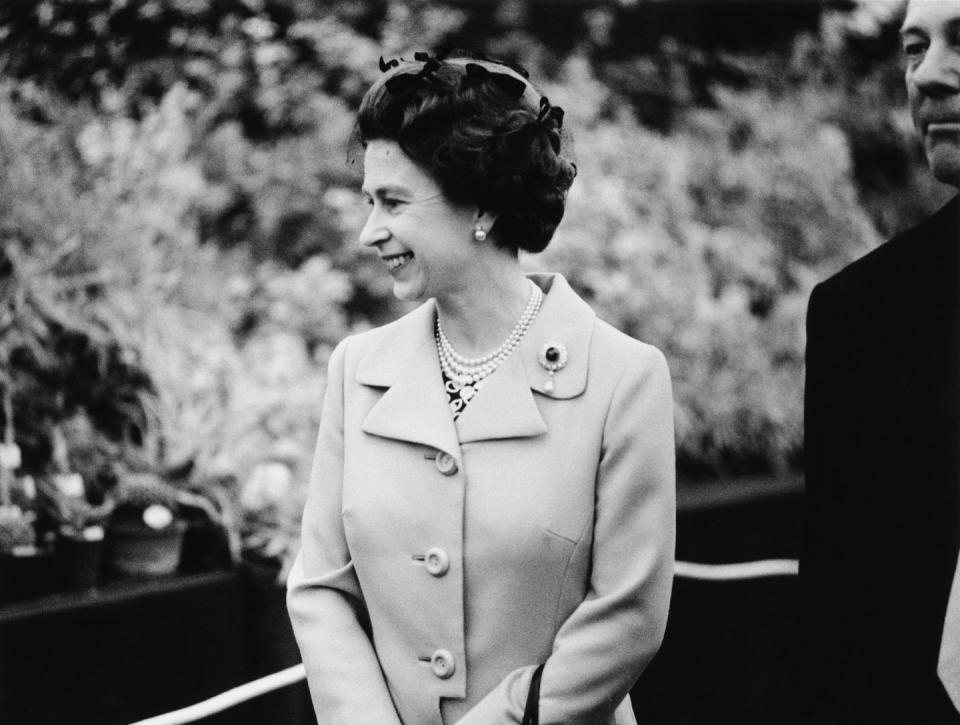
(425, 240)
(396, 262)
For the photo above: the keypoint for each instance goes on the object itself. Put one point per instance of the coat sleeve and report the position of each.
(608, 640)
(822, 551)
(323, 594)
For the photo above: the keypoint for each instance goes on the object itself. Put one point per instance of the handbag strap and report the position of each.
(531, 713)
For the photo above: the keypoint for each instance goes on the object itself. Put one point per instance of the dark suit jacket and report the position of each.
(882, 506)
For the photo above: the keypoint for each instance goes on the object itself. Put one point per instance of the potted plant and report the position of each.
(271, 503)
(26, 570)
(145, 530)
(79, 527)
(211, 541)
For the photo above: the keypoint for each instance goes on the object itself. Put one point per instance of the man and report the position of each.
(882, 525)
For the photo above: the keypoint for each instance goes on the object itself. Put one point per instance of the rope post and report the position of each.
(6, 473)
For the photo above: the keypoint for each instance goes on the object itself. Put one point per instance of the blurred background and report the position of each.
(178, 229)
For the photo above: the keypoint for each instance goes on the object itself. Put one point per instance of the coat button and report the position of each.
(436, 561)
(446, 463)
(443, 664)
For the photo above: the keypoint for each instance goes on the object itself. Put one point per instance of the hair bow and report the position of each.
(519, 69)
(477, 75)
(442, 52)
(406, 82)
(548, 112)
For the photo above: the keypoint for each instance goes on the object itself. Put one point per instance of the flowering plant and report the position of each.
(145, 500)
(271, 499)
(64, 499)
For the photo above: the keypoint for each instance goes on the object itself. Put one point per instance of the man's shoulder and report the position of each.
(892, 261)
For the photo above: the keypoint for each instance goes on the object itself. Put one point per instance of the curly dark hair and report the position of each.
(485, 135)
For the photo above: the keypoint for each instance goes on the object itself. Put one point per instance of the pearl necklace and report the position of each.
(466, 373)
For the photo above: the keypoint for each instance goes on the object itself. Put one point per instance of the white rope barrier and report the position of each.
(228, 699)
(295, 674)
(736, 572)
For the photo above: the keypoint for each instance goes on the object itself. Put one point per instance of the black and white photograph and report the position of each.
(479, 362)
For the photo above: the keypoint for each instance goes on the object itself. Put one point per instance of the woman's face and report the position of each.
(425, 241)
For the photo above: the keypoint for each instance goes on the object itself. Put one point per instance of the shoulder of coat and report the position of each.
(380, 346)
(912, 250)
(617, 348)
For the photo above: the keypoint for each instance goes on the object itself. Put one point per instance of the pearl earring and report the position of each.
(479, 234)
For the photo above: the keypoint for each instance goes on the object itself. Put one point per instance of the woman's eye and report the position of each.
(391, 204)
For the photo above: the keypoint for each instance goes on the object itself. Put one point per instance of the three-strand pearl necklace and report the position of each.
(467, 374)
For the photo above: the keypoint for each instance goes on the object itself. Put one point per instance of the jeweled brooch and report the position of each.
(553, 356)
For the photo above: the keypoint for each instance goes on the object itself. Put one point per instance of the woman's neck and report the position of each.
(482, 312)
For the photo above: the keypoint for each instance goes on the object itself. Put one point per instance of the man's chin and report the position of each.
(948, 174)
(945, 163)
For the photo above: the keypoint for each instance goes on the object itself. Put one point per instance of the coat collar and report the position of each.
(403, 359)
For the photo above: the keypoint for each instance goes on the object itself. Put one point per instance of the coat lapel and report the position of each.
(414, 407)
(506, 406)
(921, 328)
(565, 319)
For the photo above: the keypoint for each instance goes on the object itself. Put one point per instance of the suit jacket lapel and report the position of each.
(564, 320)
(921, 329)
(506, 406)
(414, 406)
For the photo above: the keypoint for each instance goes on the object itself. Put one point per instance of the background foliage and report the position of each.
(178, 222)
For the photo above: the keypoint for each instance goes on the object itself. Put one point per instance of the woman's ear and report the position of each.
(484, 220)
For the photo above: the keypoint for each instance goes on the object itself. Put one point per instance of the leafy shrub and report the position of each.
(16, 529)
(62, 351)
(707, 243)
(179, 234)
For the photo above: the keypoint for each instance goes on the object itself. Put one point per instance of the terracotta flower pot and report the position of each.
(134, 550)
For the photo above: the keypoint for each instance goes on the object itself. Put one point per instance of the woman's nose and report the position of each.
(373, 232)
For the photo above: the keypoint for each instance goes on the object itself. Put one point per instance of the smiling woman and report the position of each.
(489, 531)
(425, 240)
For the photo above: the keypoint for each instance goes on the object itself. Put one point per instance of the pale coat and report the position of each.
(556, 515)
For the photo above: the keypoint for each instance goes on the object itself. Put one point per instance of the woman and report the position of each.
(493, 486)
